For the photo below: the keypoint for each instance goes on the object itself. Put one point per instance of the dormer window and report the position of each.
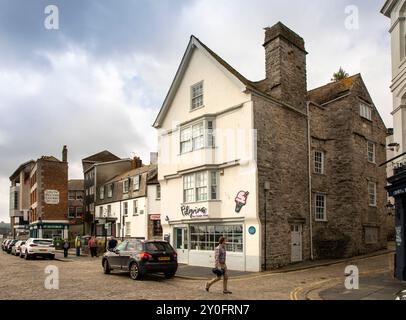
(197, 96)
(365, 111)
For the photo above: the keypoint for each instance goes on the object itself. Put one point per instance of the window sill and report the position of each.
(201, 201)
(198, 108)
(372, 162)
(318, 220)
(186, 152)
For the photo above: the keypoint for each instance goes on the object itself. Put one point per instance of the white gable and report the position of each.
(221, 89)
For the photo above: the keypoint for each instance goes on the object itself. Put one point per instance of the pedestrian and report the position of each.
(66, 246)
(78, 244)
(93, 247)
(112, 243)
(220, 268)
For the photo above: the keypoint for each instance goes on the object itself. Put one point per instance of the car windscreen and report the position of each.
(43, 242)
(157, 246)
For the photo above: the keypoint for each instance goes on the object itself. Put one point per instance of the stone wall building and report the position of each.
(236, 157)
(348, 143)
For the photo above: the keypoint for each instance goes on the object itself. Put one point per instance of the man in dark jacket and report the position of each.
(112, 244)
(66, 246)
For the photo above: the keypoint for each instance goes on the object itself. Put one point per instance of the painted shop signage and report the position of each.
(241, 200)
(51, 196)
(194, 212)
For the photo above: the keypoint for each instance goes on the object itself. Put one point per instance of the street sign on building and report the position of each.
(51, 196)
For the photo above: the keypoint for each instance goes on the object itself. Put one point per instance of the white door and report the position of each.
(296, 242)
(181, 244)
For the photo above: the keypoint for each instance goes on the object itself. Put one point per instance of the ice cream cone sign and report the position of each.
(240, 200)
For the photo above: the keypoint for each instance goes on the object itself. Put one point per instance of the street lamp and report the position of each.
(390, 208)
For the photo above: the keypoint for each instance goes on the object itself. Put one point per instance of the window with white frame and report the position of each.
(135, 207)
(91, 190)
(371, 151)
(320, 207)
(126, 185)
(372, 193)
(365, 111)
(72, 195)
(318, 162)
(197, 136)
(136, 185)
(110, 190)
(101, 193)
(109, 210)
(100, 211)
(200, 186)
(197, 95)
(125, 208)
(158, 192)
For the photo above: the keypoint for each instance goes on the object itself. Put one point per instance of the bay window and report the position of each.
(200, 186)
(197, 136)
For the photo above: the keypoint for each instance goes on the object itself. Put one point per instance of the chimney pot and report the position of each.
(65, 154)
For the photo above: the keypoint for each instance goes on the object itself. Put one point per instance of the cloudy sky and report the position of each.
(98, 82)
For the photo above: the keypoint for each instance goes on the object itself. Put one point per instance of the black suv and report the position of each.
(140, 257)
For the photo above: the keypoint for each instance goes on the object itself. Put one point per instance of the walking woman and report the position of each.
(220, 266)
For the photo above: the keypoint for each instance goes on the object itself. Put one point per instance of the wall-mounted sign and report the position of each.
(194, 213)
(154, 217)
(398, 236)
(252, 230)
(51, 196)
(241, 200)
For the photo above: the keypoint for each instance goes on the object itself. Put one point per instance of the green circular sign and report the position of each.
(252, 230)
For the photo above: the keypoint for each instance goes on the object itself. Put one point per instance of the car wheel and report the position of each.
(106, 267)
(26, 256)
(169, 275)
(135, 273)
(21, 256)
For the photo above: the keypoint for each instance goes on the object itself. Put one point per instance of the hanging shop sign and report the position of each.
(194, 212)
(241, 200)
(51, 196)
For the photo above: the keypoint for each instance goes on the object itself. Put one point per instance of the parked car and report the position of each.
(10, 245)
(140, 257)
(16, 250)
(37, 247)
(3, 244)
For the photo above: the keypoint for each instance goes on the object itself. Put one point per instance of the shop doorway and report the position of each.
(181, 243)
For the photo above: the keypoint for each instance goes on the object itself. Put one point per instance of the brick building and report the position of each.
(48, 216)
(76, 207)
(236, 159)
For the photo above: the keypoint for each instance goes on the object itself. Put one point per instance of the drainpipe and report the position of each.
(309, 147)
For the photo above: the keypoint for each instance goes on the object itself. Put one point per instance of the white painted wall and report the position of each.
(139, 222)
(154, 204)
(234, 142)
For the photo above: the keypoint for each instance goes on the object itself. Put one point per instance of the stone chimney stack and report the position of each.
(285, 66)
(136, 163)
(65, 154)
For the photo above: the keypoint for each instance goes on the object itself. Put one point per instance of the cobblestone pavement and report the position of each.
(83, 278)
